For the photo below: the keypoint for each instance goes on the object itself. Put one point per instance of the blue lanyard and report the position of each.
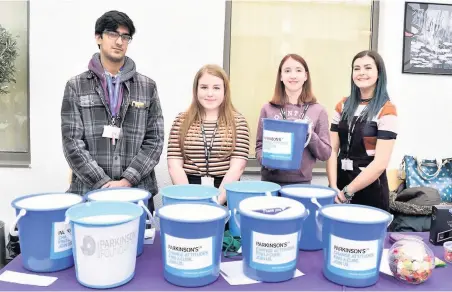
(113, 94)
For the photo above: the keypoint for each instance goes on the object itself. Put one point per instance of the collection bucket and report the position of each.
(312, 197)
(189, 193)
(133, 195)
(192, 240)
(353, 238)
(105, 240)
(271, 228)
(283, 143)
(237, 191)
(41, 230)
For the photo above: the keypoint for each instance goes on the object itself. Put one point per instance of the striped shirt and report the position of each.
(383, 126)
(195, 160)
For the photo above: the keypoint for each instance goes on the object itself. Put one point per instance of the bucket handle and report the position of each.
(309, 136)
(268, 194)
(67, 226)
(315, 202)
(145, 208)
(12, 228)
(236, 220)
(215, 200)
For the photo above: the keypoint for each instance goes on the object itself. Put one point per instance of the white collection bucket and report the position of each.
(105, 239)
(40, 221)
(133, 195)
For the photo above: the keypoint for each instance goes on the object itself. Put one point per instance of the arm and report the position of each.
(239, 156)
(175, 158)
(151, 149)
(319, 145)
(176, 171)
(236, 168)
(373, 171)
(259, 135)
(74, 148)
(331, 165)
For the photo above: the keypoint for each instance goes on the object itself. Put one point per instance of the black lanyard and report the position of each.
(351, 129)
(208, 149)
(283, 113)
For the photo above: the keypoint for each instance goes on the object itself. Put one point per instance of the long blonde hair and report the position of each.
(226, 115)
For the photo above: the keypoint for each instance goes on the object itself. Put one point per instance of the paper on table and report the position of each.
(149, 235)
(232, 272)
(27, 279)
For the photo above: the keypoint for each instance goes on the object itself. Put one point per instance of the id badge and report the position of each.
(347, 164)
(207, 181)
(111, 132)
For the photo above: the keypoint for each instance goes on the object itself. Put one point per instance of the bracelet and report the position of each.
(347, 195)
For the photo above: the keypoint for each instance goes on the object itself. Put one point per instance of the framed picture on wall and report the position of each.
(427, 38)
(14, 83)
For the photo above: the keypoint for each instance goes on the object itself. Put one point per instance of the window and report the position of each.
(14, 84)
(327, 34)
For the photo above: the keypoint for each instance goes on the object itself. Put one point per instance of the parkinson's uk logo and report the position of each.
(89, 246)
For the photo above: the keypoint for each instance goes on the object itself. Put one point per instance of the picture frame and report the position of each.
(427, 38)
(14, 83)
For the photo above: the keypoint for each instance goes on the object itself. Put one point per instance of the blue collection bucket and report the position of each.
(312, 197)
(283, 142)
(190, 193)
(133, 195)
(353, 238)
(105, 237)
(41, 230)
(192, 240)
(237, 191)
(271, 228)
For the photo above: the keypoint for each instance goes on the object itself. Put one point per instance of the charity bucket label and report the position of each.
(190, 258)
(277, 145)
(273, 253)
(106, 248)
(61, 245)
(351, 258)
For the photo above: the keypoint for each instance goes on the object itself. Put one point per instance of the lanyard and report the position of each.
(351, 129)
(113, 94)
(208, 150)
(283, 112)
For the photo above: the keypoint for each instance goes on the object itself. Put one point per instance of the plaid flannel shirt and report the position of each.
(94, 160)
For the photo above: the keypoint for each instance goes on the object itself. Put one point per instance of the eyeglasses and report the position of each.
(114, 35)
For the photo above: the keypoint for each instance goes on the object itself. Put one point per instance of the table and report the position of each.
(149, 277)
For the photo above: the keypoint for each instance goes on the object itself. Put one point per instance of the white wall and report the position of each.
(423, 101)
(170, 46)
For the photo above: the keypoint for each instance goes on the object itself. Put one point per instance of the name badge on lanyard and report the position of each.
(112, 131)
(208, 180)
(347, 163)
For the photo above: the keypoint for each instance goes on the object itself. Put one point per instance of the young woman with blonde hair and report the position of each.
(209, 143)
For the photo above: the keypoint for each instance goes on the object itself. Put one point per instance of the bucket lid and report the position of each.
(47, 201)
(103, 213)
(273, 208)
(191, 212)
(308, 191)
(118, 194)
(189, 192)
(252, 187)
(355, 214)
